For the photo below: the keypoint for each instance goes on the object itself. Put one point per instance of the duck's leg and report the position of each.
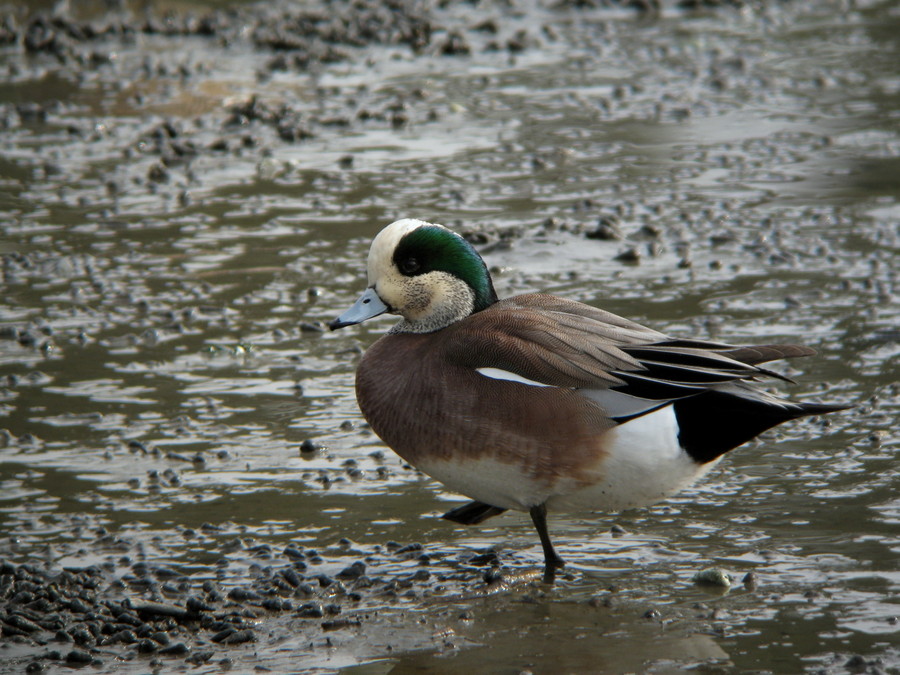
(551, 559)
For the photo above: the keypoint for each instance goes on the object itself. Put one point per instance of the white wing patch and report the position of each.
(615, 403)
(499, 374)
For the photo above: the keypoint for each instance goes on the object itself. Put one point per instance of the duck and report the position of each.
(541, 404)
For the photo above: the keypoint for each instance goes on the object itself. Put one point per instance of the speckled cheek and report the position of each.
(417, 298)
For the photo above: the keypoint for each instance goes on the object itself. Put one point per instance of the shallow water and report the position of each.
(163, 300)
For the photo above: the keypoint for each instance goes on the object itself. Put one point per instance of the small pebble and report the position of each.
(76, 656)
(308, 447)
(492, 575)
(630, 255)
(311, 610)
(713, 577)
(354, 571)
(177, 649)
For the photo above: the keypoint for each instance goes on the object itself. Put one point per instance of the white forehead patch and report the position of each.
(384, 244)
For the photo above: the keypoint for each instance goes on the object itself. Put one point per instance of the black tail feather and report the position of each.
(822, 408)
(716, 421)
(756, 354)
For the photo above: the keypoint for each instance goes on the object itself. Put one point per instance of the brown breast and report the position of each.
(423, 398)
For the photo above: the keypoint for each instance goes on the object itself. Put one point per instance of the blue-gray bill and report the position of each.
(368, 305)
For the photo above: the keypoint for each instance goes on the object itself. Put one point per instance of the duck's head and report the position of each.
(427, 274)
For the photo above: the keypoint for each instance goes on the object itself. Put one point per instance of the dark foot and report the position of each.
(472, 513)
(550, 567)
(551, 560)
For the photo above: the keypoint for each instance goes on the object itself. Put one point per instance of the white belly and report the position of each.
(490, 481)
(644, 465)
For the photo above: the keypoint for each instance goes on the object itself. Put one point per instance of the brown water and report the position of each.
(164, 358)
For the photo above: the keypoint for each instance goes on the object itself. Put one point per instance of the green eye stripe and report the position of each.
(438, 249)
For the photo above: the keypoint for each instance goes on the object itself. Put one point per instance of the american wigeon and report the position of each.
(537, 403)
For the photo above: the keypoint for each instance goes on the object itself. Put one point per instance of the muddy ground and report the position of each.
(188, 192)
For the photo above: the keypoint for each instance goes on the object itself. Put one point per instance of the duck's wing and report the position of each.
(556, 342)
(627, 369)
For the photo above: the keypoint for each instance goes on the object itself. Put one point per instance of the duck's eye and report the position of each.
(409, 266)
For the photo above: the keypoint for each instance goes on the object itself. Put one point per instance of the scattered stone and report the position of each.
(607, 230)
(147, 646)
(311, 610)
(292, 577)
(455, 45)
(713, 577)
(309, 327)
(198, 658)
(239, 637)
(223, 634)
(308, 447)
(177, 649)
(297, 556)
(409, 548)
(158, 609)
(196, 605)
(337, 624)
(856, 662)
(750, 581)
(354, 571)
(492, 576)
(631, 255)
(77, 657)
(242, 595)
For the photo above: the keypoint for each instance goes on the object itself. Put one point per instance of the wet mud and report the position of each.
(187, 194)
